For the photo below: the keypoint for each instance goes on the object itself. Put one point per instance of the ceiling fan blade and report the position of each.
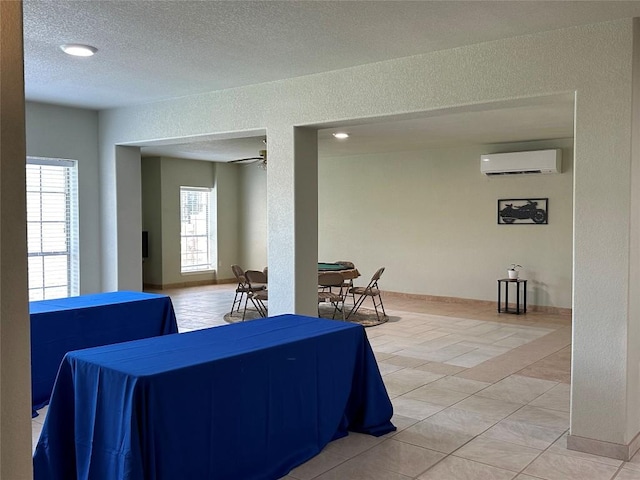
(245, 159)
(262, 158)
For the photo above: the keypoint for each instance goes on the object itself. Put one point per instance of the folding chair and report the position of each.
(257, 282)
(347, 284)
(241, 290)
(326, 283)
(372, 291)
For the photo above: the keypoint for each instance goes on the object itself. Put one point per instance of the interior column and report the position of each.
(121, 219)
(605, 377)
(292, 220)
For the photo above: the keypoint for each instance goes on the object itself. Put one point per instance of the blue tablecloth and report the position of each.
(243, 401)
(65, 324)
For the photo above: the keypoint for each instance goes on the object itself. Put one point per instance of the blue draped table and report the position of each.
(61, 325)
(243, 401)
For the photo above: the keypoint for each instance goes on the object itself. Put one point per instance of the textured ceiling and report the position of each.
(154, 50)
(151, 50)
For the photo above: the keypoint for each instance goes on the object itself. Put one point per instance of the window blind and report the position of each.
(52, 228)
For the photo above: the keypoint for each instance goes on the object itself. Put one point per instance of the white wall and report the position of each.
(229, 221)
(128, 212)
(72, 133)
(430, 218)
(253, 217)
(633, 336)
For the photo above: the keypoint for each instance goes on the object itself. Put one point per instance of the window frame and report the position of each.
(210, 264)
(71, 229)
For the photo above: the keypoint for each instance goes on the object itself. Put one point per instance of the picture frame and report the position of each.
(523, 211)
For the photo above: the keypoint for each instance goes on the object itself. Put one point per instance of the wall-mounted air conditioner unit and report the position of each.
(540, 161)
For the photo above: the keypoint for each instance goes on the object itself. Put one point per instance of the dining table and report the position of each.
(348, 272)
(245, 401)
(65, 324)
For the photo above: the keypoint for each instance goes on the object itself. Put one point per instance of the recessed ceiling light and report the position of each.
(341, 135)
(78, 50)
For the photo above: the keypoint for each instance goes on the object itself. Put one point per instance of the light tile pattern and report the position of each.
(476, 395)
(559, 467)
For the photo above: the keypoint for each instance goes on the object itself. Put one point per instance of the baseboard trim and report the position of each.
(619, 451)
(193, 283)
(477, 303)
(414, 296)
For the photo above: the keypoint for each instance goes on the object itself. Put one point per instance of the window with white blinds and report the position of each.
(197, 229)
(52, 228)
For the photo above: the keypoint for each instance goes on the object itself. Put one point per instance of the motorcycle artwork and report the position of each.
(529, 211)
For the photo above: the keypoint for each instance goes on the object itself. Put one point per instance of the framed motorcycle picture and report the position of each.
(523, 211)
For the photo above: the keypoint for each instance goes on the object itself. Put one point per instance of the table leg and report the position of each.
(506, 296)
(525, 297)
(517, 298)
(499, 290)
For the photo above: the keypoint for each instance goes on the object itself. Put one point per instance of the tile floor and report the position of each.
(476, 395)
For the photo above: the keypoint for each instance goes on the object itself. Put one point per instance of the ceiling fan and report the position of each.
(261, 159)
